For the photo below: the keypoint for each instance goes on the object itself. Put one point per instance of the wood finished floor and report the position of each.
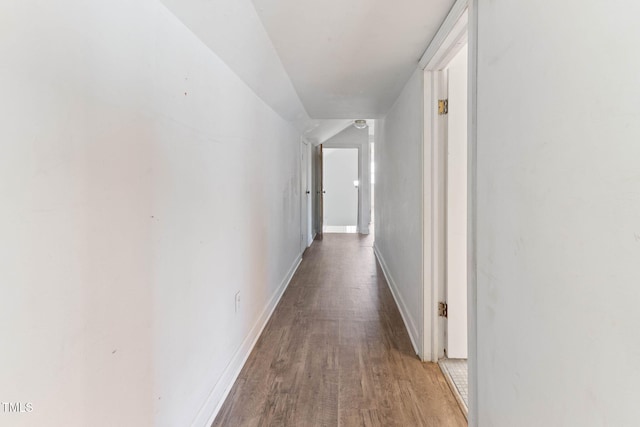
(336, 353)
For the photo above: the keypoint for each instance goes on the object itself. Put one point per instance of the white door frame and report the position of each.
(364, 178)
(459, 27)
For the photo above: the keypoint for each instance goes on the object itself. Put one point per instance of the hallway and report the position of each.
(336, 352)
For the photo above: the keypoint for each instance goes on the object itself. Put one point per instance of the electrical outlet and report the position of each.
(237, 301)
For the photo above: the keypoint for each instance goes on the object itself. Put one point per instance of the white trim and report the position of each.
(434, 158)
(427, 219)
(209, 410)
(449, 39)
(444, 32)
(462, 19)
(402, 307)
(364, 173)
(472, 267)
(438, 203)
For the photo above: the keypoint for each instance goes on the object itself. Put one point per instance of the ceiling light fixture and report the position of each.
(360, 124)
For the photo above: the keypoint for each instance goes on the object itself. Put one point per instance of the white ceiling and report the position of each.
(350, 58)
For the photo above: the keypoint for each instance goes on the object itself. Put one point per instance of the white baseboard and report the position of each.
(404, 312)
(208, 412)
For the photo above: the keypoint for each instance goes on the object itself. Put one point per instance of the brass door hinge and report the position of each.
(442, 309)
(443, 106)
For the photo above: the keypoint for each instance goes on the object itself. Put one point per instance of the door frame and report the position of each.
(319, 187)
(364, 179)
(435, 174)
(459, 27)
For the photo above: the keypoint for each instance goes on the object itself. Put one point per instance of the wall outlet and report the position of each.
(237, 301)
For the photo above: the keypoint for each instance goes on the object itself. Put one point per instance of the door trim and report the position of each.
(472, 189)
(451, 37)
(319, 195)
(460, 26)
(364, 176)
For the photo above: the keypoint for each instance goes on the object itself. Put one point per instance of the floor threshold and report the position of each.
(456, 373)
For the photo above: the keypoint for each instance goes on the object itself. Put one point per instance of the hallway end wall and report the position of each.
(142, 184)
(398, 207)
(558, 213)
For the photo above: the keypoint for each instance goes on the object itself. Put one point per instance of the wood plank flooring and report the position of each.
(336, 353)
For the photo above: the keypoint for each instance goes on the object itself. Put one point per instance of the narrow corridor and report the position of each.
(336, 353)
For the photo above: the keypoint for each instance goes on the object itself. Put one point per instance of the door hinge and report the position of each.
(442, 309)
(443, 106)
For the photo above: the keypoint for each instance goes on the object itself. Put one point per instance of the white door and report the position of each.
(456, 195)
(305, 194)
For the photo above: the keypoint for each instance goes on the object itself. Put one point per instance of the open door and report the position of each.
(456, 205)
(304, 200)
(452, 125)
(320, 195)
(453, 217)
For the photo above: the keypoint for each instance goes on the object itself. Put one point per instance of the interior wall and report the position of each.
(558, 197)
(142, 185)
(341, 197)
(398, 209)
(233, 29)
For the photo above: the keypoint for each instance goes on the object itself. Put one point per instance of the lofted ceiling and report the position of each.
(350, 58)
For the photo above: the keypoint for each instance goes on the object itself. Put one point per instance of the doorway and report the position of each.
(340, 190)
(448, 182)
(454, 347)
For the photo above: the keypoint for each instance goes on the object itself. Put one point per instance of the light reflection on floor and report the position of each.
(340, 229)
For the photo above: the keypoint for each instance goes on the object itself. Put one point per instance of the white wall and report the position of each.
(456, 222)
(352, 137)
(233, 29)
(398, 224)
(558, 208)
(340, 169)
(142, 184)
